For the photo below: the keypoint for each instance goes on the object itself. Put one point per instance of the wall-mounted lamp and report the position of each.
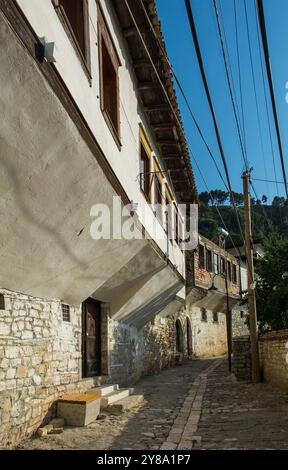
(50, 50)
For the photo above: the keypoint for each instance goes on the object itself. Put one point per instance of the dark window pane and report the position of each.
(144, 172)
(75, 15)
(201, 256)
(65, 312)
(110, 93)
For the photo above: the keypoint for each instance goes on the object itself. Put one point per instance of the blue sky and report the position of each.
(172, 14)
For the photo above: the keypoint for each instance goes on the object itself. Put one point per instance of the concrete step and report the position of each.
(115, 396)
(126, 403)
(104, 389)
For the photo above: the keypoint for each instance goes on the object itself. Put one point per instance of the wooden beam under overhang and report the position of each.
(168, 142)
(162, 126)
(176, 181)
(156, 107)
(144, 62)
(172, 157)
(148, 85)
(177, 172)
(131, 30)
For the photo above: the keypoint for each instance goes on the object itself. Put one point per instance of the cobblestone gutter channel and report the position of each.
(183, 434)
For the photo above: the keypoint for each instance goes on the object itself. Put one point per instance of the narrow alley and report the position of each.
(194, 406)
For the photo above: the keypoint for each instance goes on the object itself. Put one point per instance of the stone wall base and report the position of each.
(241, 363)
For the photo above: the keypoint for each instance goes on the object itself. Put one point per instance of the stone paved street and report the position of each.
(193, 406)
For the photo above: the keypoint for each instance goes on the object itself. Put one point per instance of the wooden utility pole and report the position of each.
(228, 324)
(251, 283)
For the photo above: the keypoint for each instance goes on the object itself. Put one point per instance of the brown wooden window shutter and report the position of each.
(109, 64)
(74, 14)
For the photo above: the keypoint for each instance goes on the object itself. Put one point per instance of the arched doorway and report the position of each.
(179, 337)
(189, 337)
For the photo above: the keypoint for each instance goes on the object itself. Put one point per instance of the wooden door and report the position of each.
(91, 338)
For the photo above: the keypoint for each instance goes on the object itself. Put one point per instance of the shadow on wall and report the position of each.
(143, 314)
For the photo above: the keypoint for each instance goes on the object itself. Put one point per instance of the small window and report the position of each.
(203, 314)
(65, 312)
(109, 65)
(201, 256)
(241, 314)
(158, 191)
(209, 260)
(215, 317)
(216, 263)
(109, 91)
(176, 233)
(234, 274)
(2, 302)
(229, 271)
(222, 265)
(145, 177)
(158, 198)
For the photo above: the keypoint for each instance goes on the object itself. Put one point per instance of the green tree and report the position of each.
(264, 199)
(278, 201)
(272, 285)
(205, 198)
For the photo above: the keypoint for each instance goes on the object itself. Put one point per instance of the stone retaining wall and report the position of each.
(241, 362)
(274, 358)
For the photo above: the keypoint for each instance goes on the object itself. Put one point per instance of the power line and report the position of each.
(201, 66)
(239, 75)
(255, 91)
(268, 181)
(183, 94)
(266, 103)
(229, 84)
(230, 68)
(270, 81)
(177, 118)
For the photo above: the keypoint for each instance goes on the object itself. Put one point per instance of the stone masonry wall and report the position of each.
(274, 358)
(135, 353)
(241, 362)
(239, 325)
(209, 337)
(40, 359)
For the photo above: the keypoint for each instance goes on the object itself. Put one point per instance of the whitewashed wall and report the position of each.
(125, 163)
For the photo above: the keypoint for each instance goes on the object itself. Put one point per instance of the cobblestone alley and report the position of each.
(193, 406)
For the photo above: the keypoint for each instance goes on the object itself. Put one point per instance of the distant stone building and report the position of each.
(206, 298)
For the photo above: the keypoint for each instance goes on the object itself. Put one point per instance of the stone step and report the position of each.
(115, 396)
(104, 389)
(126, 403)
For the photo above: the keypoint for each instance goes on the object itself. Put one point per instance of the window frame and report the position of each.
(215, 317)
(215, 263)
(229, 270)
(168, 204)
(204, 315)
(202, 266)
(66, 313)
(223, 267)
(85, 60)
(144, 143)
(104, 35)
(209, 254)
(158, 178)
(234, 274)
